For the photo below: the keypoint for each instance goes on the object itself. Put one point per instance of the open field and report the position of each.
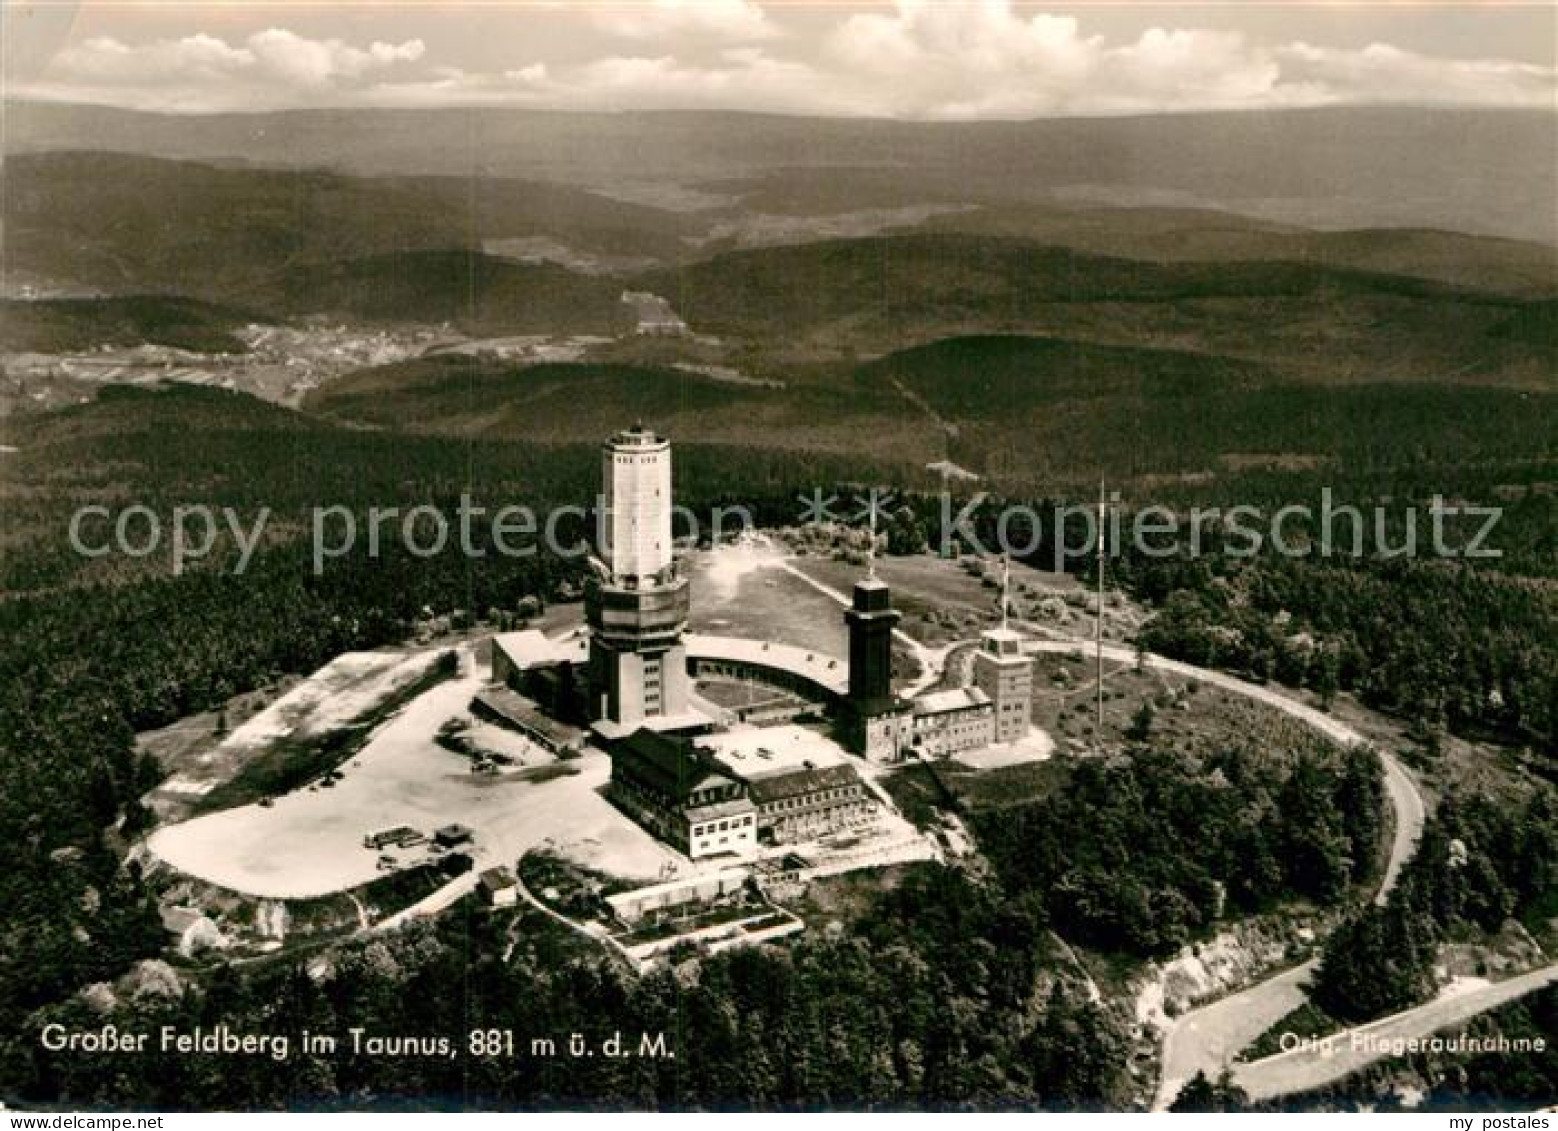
(1184, 711)
(745, 591)
(348, 690)
(940, 600)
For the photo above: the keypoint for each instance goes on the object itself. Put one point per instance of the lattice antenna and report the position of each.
(1006, 586)
(1103, 511)
(871, 545)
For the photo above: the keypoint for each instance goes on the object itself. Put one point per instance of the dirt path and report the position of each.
(431, 904)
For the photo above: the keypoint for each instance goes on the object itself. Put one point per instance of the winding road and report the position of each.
(1310, 1066)
(1207, 1039)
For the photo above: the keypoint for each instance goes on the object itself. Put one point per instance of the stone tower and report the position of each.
(871, 620)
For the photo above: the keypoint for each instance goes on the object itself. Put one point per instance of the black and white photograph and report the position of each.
(778, 556)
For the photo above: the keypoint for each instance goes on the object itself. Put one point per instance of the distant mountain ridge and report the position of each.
(117, 223)
(1483, 172)
(1312, 323)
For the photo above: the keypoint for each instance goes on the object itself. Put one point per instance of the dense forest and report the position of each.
(1477, 865)
(940, 997)
(1141, 855)
(1449, 647)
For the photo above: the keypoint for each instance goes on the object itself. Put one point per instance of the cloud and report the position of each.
(918, 59)
(318, 63)
(1421, 79)
(728, 20)
(104, 59)
(986, 59)
(742, 77)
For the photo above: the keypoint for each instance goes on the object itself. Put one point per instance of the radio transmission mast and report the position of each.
(1098, 620)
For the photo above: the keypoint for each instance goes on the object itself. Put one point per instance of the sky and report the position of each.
(913, 59)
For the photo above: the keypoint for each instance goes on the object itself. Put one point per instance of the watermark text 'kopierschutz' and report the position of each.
(1060, 535)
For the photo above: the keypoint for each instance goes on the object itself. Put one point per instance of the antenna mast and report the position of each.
(871, 545)
(1006, 586)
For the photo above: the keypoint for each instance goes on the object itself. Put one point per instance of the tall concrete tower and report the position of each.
(636, 473)
(637, 610)
(1003, 673)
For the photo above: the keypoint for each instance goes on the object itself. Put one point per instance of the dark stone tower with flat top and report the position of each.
(875, 717)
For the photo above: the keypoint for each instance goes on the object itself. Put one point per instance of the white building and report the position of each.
(946, 722)
(499, 887)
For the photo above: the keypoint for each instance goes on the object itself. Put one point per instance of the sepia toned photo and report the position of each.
(778, 556)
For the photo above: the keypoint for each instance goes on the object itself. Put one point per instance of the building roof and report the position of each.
(638, 436)
(680, 890)
(532, 648)
(764, 750)
(797, 783)
(688, 720)
(497, 879)
(520, 711)
(954, 699)
(720, 809)
(881, 706)
(672, 765)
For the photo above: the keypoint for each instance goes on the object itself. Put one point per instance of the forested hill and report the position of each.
(1480, 171)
